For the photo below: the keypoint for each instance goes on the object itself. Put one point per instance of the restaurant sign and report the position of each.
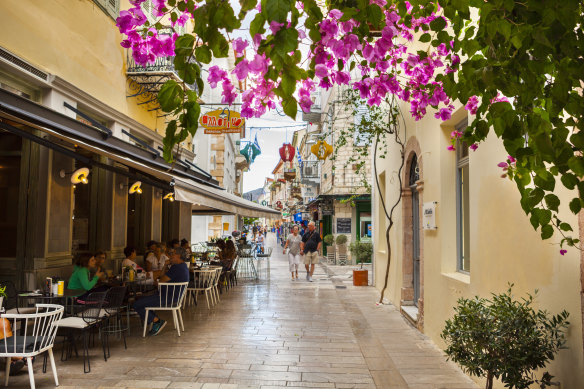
(222, 121)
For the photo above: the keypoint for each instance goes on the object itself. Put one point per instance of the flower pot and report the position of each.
(360, 277)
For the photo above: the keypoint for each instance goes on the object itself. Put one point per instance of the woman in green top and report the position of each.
(80, 277)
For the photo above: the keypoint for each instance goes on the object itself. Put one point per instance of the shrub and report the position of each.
(341, 239)
(503, 338)
(328, 239)
(361, 251)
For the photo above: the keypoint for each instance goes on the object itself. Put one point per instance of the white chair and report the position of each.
(215, 289)
(203, 281)
(171, 298)
(43, 330)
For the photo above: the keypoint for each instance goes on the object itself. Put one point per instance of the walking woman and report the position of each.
(293, 242)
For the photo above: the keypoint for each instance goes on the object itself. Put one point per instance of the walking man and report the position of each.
(309, 247)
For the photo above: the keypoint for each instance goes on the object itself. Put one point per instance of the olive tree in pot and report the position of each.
(362, 252)
(330, 250)
(506, 339)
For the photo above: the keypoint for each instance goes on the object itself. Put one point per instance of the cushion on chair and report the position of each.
(7, 344)
(22, 310)
(74, 322)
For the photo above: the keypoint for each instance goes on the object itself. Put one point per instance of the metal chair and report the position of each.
(113, 305)
(172, 295)
(90, 317)
(11, 300)
(41, 338)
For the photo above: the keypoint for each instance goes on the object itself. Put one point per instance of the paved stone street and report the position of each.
(272, 333)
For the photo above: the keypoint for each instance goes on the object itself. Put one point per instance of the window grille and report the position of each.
(462, 203)
(110, 7)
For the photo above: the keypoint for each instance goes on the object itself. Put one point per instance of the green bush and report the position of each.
(361, 251)
(504, 339)
(341, 239)
(328, 239)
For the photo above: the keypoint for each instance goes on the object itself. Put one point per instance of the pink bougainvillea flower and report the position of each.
(381, 3)
(511, 159)
(472, 105)
(562, 252)
(450, 148)
(241, 70)
(503, 164)
(301, 34)
(443, 114)
(335, 14)
(275, 27)
(474, 147)
(239, 45)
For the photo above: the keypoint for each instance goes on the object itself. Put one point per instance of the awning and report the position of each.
(203, 196)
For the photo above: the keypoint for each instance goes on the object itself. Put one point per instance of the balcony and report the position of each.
(144, 82)
(310, 172)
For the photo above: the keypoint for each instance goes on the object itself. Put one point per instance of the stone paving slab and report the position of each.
(272, 333)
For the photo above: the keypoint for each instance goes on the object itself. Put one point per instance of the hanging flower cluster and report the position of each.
(390, 66)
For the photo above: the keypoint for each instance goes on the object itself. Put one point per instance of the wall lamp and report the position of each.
(134, 188)
(79, 176)
(169, 196)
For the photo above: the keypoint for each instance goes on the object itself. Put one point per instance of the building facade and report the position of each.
(481, 240)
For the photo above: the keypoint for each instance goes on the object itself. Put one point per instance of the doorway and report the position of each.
(415, 204)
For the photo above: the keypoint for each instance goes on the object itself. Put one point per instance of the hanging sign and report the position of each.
(222, 121)
(429, 216)
(321, 149)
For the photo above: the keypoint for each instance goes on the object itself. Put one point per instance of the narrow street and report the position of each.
(272, 333)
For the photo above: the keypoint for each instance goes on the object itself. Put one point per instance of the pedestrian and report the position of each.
(293, 242)
(309, 247)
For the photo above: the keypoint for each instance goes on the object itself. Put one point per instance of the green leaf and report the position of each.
(288, 84)
(552, 201)
(170, 96)
(290, 107)
(203, 54)
(438, 24)
(546, 232)
(575, 205)
(276, 10)
(286, 41)
(424, 38)
(569, 180)
(248, 5)
(565, 227)
(184, 44)
(257, 25)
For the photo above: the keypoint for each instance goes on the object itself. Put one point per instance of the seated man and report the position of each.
(179, 272)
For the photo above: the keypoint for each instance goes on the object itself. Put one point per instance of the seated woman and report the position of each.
(156, 261)
(130, 261)
(80, 279)
(228, 255)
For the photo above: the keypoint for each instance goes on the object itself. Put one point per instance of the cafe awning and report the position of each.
(206, 197)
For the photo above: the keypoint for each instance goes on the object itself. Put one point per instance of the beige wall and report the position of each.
(504, 246)
(77, 41)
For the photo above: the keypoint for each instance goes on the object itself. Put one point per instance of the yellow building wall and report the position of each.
(504, 247)
(77, 41)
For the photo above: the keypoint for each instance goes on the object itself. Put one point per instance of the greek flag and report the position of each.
(300, 163)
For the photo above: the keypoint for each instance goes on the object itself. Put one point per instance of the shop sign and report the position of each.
(305, 215)
(429, 215)
(343, 225)
(222, 121)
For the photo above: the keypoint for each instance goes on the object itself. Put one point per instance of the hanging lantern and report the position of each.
(251, 150)
(321, 149)
(287, 152)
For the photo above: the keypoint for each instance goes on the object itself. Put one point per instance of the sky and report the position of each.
(270, 140)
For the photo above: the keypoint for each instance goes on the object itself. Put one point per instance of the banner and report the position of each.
(222, 121)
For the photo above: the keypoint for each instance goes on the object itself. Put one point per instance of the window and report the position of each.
(110, 7)
(462, 204)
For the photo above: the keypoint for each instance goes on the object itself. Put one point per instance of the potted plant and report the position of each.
(2, 294)
(341, 243)
(502, 338)
(330, 251)
(362, 252)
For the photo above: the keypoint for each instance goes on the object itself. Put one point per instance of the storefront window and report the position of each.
(366, 231)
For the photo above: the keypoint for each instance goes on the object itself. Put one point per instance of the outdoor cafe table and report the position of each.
(68, 297)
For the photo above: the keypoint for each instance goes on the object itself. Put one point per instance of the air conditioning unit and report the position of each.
(310, 171)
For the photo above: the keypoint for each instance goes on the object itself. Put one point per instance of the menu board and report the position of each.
(343, 225)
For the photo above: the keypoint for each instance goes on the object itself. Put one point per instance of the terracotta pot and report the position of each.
(360, 277)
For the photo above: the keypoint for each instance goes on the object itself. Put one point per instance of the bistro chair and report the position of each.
(43, 330)
(92, 316)
(113, 305)
(172, 295)
(202, 282)
(265, 257)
